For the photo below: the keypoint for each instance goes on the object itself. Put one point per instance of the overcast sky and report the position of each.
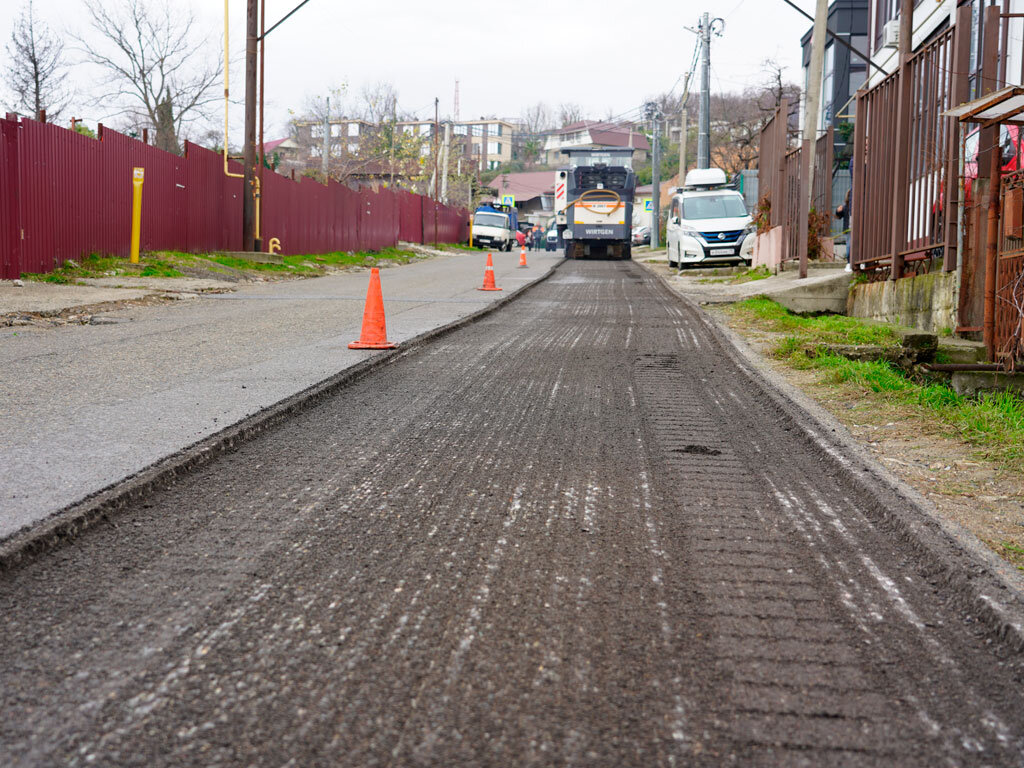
(606, 56)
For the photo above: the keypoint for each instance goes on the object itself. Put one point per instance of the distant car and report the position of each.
(551, 240)
(641, 235)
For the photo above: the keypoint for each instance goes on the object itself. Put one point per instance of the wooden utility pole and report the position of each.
(812, 102)
(249, 183)
(901, 172)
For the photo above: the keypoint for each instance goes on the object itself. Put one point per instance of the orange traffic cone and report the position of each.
(375, 332)
(489, 276)
(522, 258)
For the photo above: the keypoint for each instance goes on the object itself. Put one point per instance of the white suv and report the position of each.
(709, 224)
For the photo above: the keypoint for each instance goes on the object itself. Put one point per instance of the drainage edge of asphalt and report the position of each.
(101, 506)
(981, 583)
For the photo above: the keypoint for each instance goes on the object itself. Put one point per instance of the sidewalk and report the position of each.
(84, 406)
(823, 290)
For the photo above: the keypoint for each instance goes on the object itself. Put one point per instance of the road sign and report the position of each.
(508, 200)
(647, 206)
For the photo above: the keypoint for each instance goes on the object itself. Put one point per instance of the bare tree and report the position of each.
(775, 88)
(569, 113)
(537, 119)
(36, 70)
(157, 67)
(379, 102)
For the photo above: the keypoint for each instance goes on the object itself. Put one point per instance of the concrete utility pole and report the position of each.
(655, 193)
(249, 159)
(682, 147)
(901, 172)
(437, 103)
(326, 151)
(444, 162)
(812, 102)
(704, 134)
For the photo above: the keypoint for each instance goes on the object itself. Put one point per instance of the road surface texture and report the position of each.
(572, 533)
(84, 406)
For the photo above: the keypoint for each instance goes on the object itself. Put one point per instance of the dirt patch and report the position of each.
(964, 483)
(86, 314)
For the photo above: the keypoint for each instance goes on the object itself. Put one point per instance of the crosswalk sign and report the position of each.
(508, 200)
(647, 206)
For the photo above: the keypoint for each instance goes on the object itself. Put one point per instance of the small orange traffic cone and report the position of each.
(489, 276)
(522, 258)
(375, 333)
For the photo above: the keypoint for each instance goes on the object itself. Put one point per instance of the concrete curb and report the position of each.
(980, 583)
(103, 505)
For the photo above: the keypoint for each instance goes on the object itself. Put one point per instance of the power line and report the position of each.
(283, 20)
(836, 37)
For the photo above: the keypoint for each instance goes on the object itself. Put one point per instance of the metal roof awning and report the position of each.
(1002, 106)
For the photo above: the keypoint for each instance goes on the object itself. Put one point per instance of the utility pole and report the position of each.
(704, 120)
(437, 102)
(249, 183)
(326, 152)
(902, 138)
(394, 127)
(653, 113)
(683, 118)
(444, 162)
(812, 102)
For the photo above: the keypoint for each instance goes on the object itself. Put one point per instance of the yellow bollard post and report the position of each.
(137, 176)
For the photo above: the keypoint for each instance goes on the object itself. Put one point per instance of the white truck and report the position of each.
(495, 226)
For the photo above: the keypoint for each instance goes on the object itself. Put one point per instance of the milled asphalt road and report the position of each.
(571, 533)
(83, 406)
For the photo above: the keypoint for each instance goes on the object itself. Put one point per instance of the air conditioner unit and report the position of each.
(891, 34)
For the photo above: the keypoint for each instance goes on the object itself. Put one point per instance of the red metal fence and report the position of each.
(64, 195)
(938, 80)
(779, 169)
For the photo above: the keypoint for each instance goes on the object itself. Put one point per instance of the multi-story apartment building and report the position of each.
(347, 134)
(491, 137)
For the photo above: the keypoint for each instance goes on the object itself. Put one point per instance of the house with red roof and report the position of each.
(595, 134)
(534, 193)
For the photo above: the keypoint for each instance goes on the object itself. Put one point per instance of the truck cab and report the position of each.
(709, 223)
(495, 226)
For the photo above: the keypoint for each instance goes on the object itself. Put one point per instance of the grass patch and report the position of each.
(453, 247)
(171, 264)
(95, 265)
(993, 422)
(1012, 553)
(750, 275)
(765, 314)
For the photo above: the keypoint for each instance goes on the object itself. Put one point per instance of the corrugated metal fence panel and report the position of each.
(10, 263)
(411, 217)
(71, 196)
